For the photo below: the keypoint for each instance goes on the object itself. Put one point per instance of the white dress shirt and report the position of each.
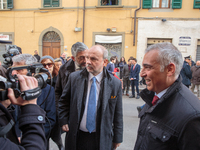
(98, 83)
(161, 93)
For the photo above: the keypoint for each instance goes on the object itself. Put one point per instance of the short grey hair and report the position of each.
(26, 58)
(167, 53)
(78, 47)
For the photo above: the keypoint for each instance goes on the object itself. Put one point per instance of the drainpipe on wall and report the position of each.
(83, 22)
(135, 23)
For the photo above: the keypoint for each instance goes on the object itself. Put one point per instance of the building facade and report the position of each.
(124, 27)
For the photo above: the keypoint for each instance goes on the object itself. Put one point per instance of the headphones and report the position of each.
(5, 129)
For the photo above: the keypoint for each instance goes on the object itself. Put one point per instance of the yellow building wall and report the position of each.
(28, 19)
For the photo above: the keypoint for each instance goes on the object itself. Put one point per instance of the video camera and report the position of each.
(12, 50)
(13, 82)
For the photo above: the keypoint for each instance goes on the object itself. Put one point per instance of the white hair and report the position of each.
(26, 58)
(167, 53)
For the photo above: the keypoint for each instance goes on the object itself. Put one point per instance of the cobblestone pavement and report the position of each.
(131, 121)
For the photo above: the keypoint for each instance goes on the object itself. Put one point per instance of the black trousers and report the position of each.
(87, 141)
(126, 85)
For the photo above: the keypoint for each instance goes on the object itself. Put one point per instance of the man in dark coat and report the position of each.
(126, 77)
(49, 105)
(171, 116)
(134, 77)
(37, 56)
(31, 120)
(186, 72)
(111, 65)
(77, 104)
(77, 63)
(196, 78)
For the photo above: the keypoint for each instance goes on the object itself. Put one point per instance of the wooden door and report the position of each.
(51, 44)
(52, 49)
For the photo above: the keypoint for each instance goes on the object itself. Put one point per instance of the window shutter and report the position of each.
(197, 4)
(176, 4)
(9, 4)
(47, 3)
(147, 4)
(55, 3)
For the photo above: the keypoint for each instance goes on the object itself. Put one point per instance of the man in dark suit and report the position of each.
(111, 65)
(134, 77)
(90, 108)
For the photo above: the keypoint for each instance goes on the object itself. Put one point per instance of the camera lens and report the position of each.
(41, 78)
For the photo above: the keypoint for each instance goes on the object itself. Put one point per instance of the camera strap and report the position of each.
(5, 129)
(29, 94)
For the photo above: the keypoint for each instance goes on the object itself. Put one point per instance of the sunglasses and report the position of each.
(49, 65)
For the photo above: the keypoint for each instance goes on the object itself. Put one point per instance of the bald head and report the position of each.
(102, 49)
(95, 59)
(198, 63)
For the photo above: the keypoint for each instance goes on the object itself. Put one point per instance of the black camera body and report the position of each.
(13, 82)
(11, 50)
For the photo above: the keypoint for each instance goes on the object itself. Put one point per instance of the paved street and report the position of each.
(130, 124)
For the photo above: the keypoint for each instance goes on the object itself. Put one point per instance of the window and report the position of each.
(51, 3)
(109, 2)
(148, 4)
(6, 4)
(197, 4)
(161, 3)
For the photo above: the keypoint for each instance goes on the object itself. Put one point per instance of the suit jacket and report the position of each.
(135, 73)
(126, 72)
(109, 121)
(110, 67)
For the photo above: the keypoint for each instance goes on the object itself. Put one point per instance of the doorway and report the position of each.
(51, 44)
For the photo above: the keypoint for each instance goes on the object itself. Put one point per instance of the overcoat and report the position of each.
(109, 120)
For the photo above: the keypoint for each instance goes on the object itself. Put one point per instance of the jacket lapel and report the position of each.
(81, 89)
(107, 89)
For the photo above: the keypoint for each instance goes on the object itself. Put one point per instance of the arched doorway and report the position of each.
(51, 44)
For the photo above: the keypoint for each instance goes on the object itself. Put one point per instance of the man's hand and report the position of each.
(132, 79)
(65, 128)
(26, 83)
(113, 73)
(115, 145)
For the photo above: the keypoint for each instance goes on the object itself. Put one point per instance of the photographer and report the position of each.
(30, 121)
(49, 105)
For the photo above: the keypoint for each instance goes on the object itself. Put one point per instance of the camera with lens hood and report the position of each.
(36, 70)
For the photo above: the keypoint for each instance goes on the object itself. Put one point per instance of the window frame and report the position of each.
(51, 4)
(195, 4)
(8, 4)
(118, 5)
(160, 5)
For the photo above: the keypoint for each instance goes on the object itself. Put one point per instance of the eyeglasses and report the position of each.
(49, 65)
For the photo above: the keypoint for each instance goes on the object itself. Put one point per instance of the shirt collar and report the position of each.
(98, 77)
(161, 93)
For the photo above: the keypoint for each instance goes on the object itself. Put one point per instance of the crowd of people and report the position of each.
(85, 101)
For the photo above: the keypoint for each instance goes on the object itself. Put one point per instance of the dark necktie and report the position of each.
(155, 99)
(91, 110)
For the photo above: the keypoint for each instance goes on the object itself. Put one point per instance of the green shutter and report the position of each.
(197, 4)
(176, 4)
(47, 3)
(9, 4)
(55, 3)
(147, 4)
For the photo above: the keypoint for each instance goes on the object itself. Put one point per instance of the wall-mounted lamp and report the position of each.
(163, 20)
(77, 29)
(108, 29)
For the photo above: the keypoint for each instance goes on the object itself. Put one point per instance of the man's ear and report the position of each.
(73, 58)
(171, 68)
